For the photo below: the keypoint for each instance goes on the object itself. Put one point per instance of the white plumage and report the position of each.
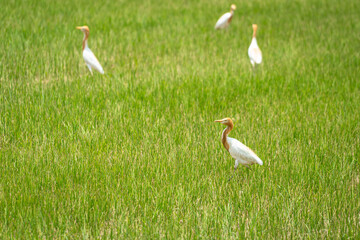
(254, 50)
(91, 61)
(241, 153)
(89, 57)
(224, 20)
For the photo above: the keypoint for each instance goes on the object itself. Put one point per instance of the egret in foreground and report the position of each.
(254, 50)
(241, 153)
(224, 20)
(90, 59)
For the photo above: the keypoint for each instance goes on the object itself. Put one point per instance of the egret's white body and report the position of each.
(241, 153)
(91, 61)
(89, 57)
(254, 50)
(224, 20)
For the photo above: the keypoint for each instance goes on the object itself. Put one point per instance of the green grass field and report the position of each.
(135, 153)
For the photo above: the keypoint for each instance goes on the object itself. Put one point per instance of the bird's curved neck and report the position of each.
(225, 133)
(231, 12)
(84, 44)
(254, 34)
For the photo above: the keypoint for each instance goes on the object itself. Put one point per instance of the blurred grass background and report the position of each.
(134, 153)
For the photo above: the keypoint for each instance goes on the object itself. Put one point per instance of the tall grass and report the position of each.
(135, 153)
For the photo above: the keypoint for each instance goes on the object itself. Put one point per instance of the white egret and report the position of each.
(90, 59)
(224, 20)
(254, 50)
(241, 153)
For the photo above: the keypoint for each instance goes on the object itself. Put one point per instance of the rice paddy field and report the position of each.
(135, 153)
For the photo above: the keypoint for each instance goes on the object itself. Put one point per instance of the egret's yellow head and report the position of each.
(225, 121)
(254, 26)
(233, 7)
(83, 29)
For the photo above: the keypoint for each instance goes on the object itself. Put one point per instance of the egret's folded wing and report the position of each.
(255, 54)
(240, 151)
(90, 59)
(222, 20)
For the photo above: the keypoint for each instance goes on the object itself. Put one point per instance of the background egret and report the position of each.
(89, 57)
(254, 50)
(224, 20)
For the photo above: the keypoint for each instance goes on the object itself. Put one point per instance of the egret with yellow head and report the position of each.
(254, 50)
(90, 59)
(225, 20)
(241, 153)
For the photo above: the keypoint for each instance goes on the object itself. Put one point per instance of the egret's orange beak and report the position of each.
(218, 120)
(79, 28)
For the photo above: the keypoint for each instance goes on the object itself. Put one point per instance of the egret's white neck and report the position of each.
(253, 41)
